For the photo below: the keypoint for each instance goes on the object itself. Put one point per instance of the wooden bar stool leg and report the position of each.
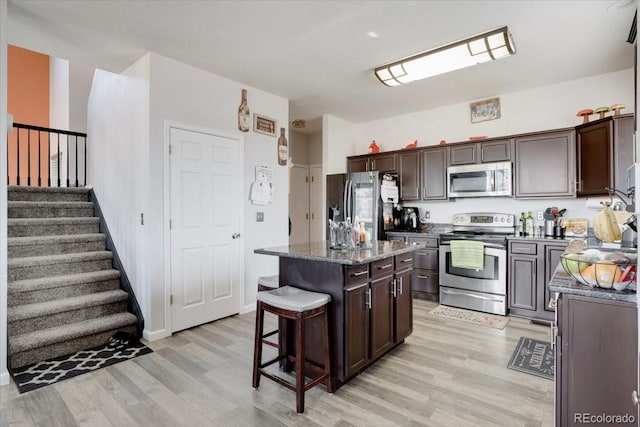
(257, 346)
(300, 336)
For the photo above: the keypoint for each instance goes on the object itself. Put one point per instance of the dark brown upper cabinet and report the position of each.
(481, 152)
(594, 158)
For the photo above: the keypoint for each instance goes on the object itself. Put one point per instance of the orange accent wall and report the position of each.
(28, 101)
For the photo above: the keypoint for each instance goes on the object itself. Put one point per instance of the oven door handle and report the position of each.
(450, 292)
(486, 245)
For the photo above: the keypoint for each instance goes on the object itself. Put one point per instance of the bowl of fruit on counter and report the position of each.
(601, 268)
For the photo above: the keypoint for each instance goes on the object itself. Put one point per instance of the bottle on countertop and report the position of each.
(243, 113)
(523, 224)
(529, 222)
(363, 234)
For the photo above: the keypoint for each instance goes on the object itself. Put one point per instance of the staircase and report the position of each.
(63, 293)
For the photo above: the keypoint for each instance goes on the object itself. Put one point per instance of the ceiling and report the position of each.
(320, 54)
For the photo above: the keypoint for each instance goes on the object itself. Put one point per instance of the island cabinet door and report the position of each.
(382, 302)
(403, 307)
(356, 300)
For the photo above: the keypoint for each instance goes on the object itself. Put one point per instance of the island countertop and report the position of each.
(564, 283)
(320, 251)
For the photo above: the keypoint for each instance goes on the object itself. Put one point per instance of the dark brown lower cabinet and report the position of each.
(403, 306)
(596, 357)
(381, 316)
(356, 333)
(531, 266)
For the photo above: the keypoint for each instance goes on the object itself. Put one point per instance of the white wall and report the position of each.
(118, 140)
(58, 93)
(4, 373)
(315, 148)
(547, 107)
(80, 80)
(542, 108)
(185, 94)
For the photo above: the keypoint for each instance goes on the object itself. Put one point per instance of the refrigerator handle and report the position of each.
(344, 199)
(350, 200)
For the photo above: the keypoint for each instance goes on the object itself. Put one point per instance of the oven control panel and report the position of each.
(485, 219)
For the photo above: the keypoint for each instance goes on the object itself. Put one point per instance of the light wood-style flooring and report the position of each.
(447, 373)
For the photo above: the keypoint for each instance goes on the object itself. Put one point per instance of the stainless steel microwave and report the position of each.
(481, 180)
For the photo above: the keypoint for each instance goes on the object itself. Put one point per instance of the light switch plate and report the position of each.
(259, 216)
(540, 217)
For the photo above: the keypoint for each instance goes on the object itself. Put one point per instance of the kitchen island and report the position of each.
(596, 352)
(371, 309)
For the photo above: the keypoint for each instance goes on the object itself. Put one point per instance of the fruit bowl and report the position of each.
(599, 268)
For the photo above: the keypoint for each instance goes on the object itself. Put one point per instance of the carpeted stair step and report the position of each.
(18, 247)
(44, 315)
(57, 265)
(47, 194)
(22, 209)
(23, 227)
(48, 289)
(46, 344)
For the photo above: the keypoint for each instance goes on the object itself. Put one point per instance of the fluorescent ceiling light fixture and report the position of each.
(494, 44)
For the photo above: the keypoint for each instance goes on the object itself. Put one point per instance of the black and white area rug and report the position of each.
(121, 347)
(533, 357)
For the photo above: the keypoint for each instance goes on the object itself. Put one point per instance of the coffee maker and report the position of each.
(406, 218)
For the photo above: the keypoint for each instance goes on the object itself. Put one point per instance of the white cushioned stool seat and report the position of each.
(293, 299)
(269, 281)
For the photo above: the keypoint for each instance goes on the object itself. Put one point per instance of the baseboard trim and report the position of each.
(155, 335)
(4, 378)
(248, 308)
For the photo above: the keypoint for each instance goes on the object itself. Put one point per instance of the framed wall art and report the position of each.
(264, 124)
(488, 109)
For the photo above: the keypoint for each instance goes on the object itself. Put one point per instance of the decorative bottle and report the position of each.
(523, 224)
(244, 118)
(529, 219)
(283, 150)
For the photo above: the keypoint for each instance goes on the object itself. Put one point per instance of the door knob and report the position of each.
(235, 235)
(634, 398)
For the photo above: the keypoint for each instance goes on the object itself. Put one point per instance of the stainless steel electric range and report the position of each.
(482, 289)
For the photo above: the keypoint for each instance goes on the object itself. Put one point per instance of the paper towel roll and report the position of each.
(595, 202)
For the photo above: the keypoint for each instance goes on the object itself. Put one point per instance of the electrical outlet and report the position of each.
(259, 216)
(540, 217)
(427, 214)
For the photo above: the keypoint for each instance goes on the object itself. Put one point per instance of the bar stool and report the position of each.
(297, 305)
(269, 283)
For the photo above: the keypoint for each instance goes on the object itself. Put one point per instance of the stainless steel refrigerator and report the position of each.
(367, 197)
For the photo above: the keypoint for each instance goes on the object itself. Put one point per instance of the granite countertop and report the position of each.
(565, 283)
(320, 251)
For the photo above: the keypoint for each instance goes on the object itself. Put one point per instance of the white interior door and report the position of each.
(299, 204)
(205, 245)
(316, 226)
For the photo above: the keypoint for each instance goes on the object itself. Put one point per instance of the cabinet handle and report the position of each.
(407, 260)
(382, 267)
(422, 277)
(554, 333)
(360, 273)
(401, 286)
(373, 164)
(394, 289)
(368, 301)
(423, 253)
